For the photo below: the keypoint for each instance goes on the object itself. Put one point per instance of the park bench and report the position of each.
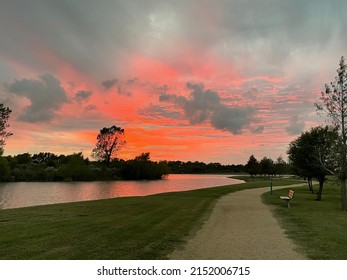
(288, 198)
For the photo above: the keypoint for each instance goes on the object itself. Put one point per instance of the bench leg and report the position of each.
(288, 203)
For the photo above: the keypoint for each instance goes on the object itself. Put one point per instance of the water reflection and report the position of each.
(22, 194)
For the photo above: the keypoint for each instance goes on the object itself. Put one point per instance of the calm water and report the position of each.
(14, 195)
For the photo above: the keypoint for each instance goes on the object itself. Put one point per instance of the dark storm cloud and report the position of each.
(205, 105)
(45, 94)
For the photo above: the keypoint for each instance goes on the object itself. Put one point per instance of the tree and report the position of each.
(5, 169)
(23, 158)
(75, 169)
(5, 113)
(109, 141)
(143, 157)
(280, 166)
(311, 153)
(266, 166)
(252, 166)
(49, 159)
(142, 168)
(334, 103)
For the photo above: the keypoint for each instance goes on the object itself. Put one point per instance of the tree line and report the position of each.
(47, 167)
(198, 167)
(266, 167)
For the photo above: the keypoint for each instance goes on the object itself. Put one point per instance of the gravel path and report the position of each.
(240, 227)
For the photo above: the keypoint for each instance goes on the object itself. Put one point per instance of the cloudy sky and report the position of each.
(214, 81)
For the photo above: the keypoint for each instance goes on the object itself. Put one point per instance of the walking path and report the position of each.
(240, 227)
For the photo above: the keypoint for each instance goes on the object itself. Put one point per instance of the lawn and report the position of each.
(319, 227)
(122, 228)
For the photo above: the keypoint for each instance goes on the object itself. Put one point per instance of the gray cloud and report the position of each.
(45, 94)
(154, 112)
(133, 81)
(122, 88)
(108, 84)
(91, 107)
(82, 95)
(207, 106)
(258, 129)
(93, 35)
(231, 119)
(160, 89)
(295, 126)
(84, 34)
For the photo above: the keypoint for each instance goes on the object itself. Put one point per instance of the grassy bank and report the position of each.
(122, 228)
(319, 227)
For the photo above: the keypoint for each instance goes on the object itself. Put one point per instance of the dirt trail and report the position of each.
(240, 227)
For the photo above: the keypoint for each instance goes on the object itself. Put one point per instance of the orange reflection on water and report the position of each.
(14, 195)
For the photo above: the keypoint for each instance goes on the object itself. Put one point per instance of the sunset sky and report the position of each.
(213, 81)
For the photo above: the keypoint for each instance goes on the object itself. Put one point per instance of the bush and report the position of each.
(5, 170)
(141, 168)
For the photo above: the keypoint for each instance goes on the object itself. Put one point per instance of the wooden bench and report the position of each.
(288, 198)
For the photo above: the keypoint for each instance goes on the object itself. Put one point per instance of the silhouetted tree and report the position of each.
(266, 166)
(5, 169)
(142, 168)
(280, 166)
(23, 158)
(49, 159)
(4, 117)
(311, 154)
(109, 141)
(252, 166)
(334, 103)
(143, 157)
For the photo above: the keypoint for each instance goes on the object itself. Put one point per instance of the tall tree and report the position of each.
(334, 103)
(266, 166)
(4, 134)
(311, 154)
(109, 141)
(252, 166)
(280, 166)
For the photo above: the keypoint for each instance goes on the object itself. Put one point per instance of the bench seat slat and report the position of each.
(288, 198)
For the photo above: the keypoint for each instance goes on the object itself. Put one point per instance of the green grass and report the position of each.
(122, 228)
(318, 227)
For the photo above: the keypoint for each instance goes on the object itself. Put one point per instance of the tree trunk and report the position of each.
(320, 191)
(310, 186)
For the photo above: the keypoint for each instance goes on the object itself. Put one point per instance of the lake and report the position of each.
(23, 194)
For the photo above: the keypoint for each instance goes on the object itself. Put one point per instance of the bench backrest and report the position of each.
(291, 194)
